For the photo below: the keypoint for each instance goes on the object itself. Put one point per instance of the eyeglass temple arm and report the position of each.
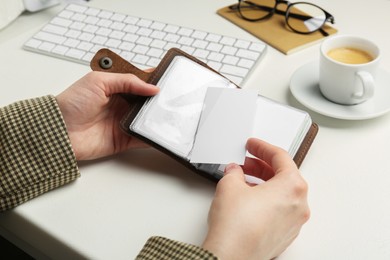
(267, 8)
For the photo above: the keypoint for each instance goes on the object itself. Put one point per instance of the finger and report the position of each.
(258, 168)
(236, 175)
(149, 70)
(276, 157)
(114, 83)
(235, 171)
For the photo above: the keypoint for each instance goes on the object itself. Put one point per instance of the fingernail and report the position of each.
(231, 166)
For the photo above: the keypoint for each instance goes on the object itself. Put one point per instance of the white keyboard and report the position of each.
(78, 32)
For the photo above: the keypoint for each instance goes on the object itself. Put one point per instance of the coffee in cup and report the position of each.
(348, 66)
(350, 55)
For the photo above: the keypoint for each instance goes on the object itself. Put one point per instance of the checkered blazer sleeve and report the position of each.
(165, 249)
(35, 152)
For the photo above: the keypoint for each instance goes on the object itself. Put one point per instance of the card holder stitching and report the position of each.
(300, 156)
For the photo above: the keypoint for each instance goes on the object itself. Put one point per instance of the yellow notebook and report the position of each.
(275, 32)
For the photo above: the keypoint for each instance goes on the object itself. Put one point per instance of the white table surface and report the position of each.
(120, 201)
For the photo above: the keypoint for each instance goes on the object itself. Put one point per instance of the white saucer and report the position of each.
(304, 87)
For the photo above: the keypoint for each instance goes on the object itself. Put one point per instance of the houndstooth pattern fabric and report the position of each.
(166, 249)
(35, 152)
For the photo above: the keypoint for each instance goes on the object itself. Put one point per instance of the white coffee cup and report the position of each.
(348, 66)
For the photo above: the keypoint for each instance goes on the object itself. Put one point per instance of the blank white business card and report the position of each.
(225, 125)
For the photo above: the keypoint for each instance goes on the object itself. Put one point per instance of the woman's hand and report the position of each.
(92, 112)
(257, 222)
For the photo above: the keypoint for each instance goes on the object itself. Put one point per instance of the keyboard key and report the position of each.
(213, 37)
(141, 59)
(114, 43)
(247, 54)
(66, 14)
(158, 35)
(117, 35)
(46, 46)
(156, 53)
(71, 42)
(172, 37)
(257, 47)
(185, 41)
(99, 39)
(127, 46)
(92, 11)
(144, 31)
(117, 26)
(54, 38)
(153, 62)
(188, 49)
(157, 26)
(86, 37)
(77, 26)
(144, 23)
(185, 32)
(215, 65)
(130, 37)
(103, 31)
(200, 44)
(144, 40)
(140, 49)
(127, 55)
(91, 20)
(157, 44)
(235, 79)
(131, 28)
(231, 60)
(233, 70)
(33, 43)
(72, 33)
(76, 8)
(246, 63)
(104, 23)
(61, 50)
(74, 53)
(105, 14)
(227, 41)
(229, 50)
(171, 28)
(88, 57)
(89, 28)
(118, 17)
(61, 21)
(131, 20)
(202, 54)
(51, 28)
(171, 45)
(242, 44)
(79, 17)
(86, 46)
(216, 56)
(199, 35)
(214, 47)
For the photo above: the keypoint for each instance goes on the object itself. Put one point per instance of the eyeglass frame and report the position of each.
(274, 10)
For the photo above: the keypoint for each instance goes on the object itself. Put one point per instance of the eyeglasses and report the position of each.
(301, 17)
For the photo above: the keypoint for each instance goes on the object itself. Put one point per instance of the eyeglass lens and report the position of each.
(256, 9)
(301, 17)
(305, 17)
